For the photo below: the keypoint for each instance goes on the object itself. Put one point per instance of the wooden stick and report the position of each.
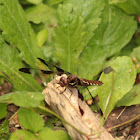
(64, 101)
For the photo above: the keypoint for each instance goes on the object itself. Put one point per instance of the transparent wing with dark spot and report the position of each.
(43, 61)
(25, 70)
(28, 71)
(60, 71)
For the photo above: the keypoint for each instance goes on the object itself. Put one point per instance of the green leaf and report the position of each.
(136, 37)
(17, 31)
(129, 6)
(136, 53)
(38, 13)
(30, 120)
(77, 24)
(54, 2)
(42, 37)
(52, 135)
(113, 33)
(127, 50)
(50, 122)
(6, 97)
(62, 135)
(22, 135)
(47, 133)
(93, 90)
(131, 98)
(70, 37)
(34, 1)
(22, 99)
(9, 68)
(4, 128)
(116, 84)
(90, 11)
(3, 110)
(27, 99)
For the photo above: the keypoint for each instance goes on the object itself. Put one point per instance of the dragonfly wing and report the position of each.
(60, 71)
(25, 70)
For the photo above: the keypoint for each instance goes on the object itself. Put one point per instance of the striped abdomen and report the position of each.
(85, 82)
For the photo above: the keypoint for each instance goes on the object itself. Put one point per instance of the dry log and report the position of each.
(65, 102)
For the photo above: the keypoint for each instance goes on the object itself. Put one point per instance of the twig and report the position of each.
(75, 111)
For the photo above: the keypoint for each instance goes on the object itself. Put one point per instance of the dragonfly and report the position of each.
(72, 81)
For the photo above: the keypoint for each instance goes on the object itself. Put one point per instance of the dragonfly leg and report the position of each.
(63, 91)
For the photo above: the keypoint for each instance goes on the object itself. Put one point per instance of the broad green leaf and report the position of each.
(27, 99)
(93, 90)
(9, 68)
(34, 1)
(3, 110)
(22, 135)
(38, 13)
(129, 6)
(62, 135)
(22, 99)
(54, 2)
(47, 133)
(128, 49)
(38, 27)
(52, 134)
(77, 24)
(17, 31)
(136, 53)
(51, 121)
(113, 33)
(136, 37)
(116, 84)
(69, 37)
(4, 128)
(30, 120)
(6, 97)
(42, 37)
(131, 98)
(90, 11)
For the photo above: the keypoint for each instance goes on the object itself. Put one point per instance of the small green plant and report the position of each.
(84, 37)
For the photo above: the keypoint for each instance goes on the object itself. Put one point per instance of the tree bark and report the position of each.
(65, 102)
